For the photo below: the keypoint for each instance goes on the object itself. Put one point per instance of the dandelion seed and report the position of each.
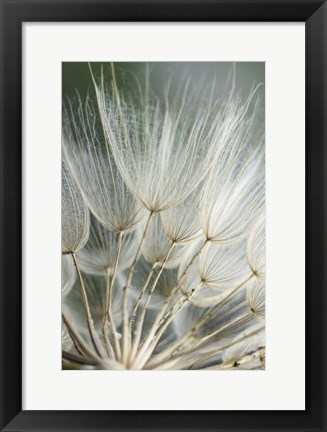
(234, 194)
(75, 220)
(94, 169)
(256, 255)
(171, 142)
(255, 298)
(181, 222)
(99, 254)
(219, 269)
(157, 245)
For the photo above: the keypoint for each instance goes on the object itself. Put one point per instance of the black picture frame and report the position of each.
(13, 14)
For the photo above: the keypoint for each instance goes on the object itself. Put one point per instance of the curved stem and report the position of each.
(182, 275)
(108, 310)
(170, 351)
(135, 307)
(238, 320)
(83, 349)
(151, 341)
(77, 359)
(198, 362)
(88, 315)
(110, 351)
(193, 259)
(140, 321)
(126, 334)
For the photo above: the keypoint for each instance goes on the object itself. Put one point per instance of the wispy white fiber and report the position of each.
(256, 248)
(68, 274)
(234, 192)
(165, 146)
(99, 254)
(75, 218)
(163, 218)
(255, 298)
(89, 157)
(157, 245)
(215, 271)
(181, 222)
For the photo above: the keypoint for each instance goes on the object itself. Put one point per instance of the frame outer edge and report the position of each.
(316, 215)
(11, 231)
(10, 216)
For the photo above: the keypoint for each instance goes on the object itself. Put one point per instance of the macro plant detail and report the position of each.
(163, 223)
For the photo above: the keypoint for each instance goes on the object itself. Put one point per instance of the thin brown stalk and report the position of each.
(78, 342)
(151, 341)
(171, 350)
(108, 309)
(77, 359)
(135, 307)
(88, 314)
(126, 337)
(140, 321)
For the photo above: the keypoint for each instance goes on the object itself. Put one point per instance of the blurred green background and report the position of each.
(76, 75)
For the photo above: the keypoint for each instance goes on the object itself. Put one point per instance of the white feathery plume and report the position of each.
(99, 254)
(68, 274)
(183, 289)
(234, 192)
(224, 267)
(256, 248)
(164, 150)
(75, 219)
(75, 227)
(181, 222)
(255, 298)
(89, 156)
(157, 244)
(213, 272)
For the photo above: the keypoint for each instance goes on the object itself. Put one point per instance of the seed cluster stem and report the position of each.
(126, 336)
(88, 314)
(140, 321)
(108, 310)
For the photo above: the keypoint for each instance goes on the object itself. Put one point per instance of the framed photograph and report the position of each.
(177, 152)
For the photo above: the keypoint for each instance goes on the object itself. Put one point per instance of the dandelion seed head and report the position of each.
(163, 221)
